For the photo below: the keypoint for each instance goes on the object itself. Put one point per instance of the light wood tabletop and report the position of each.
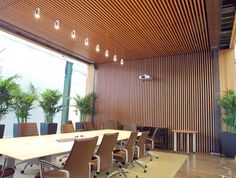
(26, 148)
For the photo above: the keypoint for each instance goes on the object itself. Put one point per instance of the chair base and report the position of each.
(139, 163)
(151, 155)
(122, 171)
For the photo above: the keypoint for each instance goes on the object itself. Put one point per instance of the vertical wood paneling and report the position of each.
(179, 97)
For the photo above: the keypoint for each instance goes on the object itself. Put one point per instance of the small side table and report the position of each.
(187, 132)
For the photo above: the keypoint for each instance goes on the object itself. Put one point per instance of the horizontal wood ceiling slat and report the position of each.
(132, 29)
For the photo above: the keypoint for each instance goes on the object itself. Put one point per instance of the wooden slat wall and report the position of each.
(179, 97)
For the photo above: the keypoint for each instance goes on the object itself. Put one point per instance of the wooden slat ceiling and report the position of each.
(131, 28)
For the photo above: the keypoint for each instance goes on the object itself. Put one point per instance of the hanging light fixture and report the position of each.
(115, 58)
(97, 48)
(122, 62)
(86, 42)
(57, 24)
(73, 34)
(107, 53)
(37, 13)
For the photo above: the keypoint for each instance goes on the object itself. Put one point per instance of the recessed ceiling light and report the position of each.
(37, 13)
(115, 58)
(97, 48)
(73, 34)
(57, 25)
(122, 62)
(106, 53)
(86, 42)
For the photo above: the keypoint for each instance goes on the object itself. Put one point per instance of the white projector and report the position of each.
(145, 76)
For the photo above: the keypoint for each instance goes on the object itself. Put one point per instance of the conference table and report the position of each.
(48, 147)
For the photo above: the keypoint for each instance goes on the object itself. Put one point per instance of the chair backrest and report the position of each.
(105, 151)
(130, 127)
(78, 161)
(67, 128)
(69, 122)
(28, 129)
(130, 145)
(141, 143)
(5, 171)
(88, 126)
(110, 125)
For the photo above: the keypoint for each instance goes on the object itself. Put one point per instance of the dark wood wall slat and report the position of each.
(179, 97)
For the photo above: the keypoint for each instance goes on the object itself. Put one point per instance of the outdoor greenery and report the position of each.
(8, 87)
(85, 105)
(228, 103)
(49, 103)
(23, 102)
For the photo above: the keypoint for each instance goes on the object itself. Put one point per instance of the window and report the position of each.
(39, 66)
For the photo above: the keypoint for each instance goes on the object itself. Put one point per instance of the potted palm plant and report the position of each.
(228, 138)
(84, 106)
(22, 104)
(49, 100)
(7, 88)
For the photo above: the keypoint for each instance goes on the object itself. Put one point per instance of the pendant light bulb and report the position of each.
(37, 13)
(115, 58)
(57, 24)
(86, 42)
(122, 62)
(97, 48)
(106, 53)
(73, 34)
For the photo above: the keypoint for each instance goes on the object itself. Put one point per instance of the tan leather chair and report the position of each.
(102, 161)
(110, 125)
(26, 130)
(5, 171)
(140, 150)
(150, 145)
(130, 127)
(88, 126)
(67, 128)
(125, 155)
(77, 165)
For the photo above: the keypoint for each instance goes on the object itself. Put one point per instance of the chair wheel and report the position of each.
(107, 173)
(145, 166)
(157, 157)
(145, 170)
(60, 159)
(150, 159)
(95, 176)
(22, 172)
(136, 176)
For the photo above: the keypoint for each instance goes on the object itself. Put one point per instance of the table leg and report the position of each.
(10, 163)
(194, 142)
(181, 141)
(175, 141)
(187, 143)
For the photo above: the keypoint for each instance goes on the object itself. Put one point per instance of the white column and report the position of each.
(175, 141)
(194, 142)
(181, 141)
(187, 143)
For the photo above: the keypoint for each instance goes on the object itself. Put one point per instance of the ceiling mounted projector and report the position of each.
(145, 76)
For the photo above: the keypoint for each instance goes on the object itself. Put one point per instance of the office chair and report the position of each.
(130, 127)
(88, 126)
(78, 163)
(67, 128)
(102, 161)
(5, 171)
(140, 151)
(110, 125)
(150, 145)
(124, 156)
(26, 130)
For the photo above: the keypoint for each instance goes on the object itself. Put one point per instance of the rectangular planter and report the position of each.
(79, 126)
(228, 143)
(2, 128)
(48, 128)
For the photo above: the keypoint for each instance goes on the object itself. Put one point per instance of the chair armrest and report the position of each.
(43, 163)
(98, 162)
(152, 142)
